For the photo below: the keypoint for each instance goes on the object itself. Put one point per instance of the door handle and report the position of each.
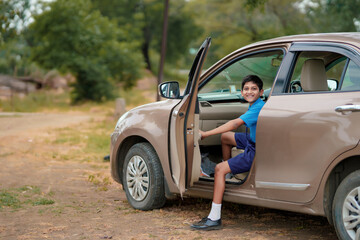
(348, 108)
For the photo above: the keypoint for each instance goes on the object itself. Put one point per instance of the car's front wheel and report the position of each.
(346, 208)
(143, 178)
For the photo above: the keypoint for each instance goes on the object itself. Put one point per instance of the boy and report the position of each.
(251, 90)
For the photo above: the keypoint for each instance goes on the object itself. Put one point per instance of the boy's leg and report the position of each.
(219, 187)
(227, 143)
(213, 221)
(221, 170)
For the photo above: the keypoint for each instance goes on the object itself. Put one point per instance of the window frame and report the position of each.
(288, 65)
(239, 58)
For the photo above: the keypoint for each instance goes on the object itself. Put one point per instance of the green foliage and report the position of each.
(99, 181)
(12, 17)
(92, 83)
(43, 201)
(104, 42)
(98, 143)
(253, 4)
(14, 52)
(14, 56)
(72, 37)
(35, 102)
(66, 137)
(143, 20)
(133, 97)
(334, 15)
(88, 144)
(182, 30)
(17, 197)
(9, 199)
(233, 25)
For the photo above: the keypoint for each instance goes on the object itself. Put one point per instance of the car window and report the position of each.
(351, 80)
(336, 68)
(226, 85)
(317, 71)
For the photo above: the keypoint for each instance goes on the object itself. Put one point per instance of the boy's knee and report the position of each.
(225, 136)
(221, 168)
(228, 138)
(217, 168)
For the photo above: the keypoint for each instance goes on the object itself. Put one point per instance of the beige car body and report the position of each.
(304, 147)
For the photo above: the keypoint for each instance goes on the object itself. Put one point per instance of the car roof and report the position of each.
(352, 38)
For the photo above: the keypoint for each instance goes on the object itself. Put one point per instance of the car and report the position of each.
(307, 150)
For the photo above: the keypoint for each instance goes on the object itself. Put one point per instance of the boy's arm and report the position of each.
(229, 126)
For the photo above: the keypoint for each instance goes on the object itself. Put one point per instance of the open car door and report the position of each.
(184, 128)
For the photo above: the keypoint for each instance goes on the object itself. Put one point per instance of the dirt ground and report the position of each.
(82, 210)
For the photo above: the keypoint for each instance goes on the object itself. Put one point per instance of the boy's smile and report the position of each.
(251, 92)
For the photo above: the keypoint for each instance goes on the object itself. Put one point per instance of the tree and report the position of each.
(334, 15)
(13, 15)
(14, 57)
(142, 19)
(72, 37)
(233, 24)
(14, 52)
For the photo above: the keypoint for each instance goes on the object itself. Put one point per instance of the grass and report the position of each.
(10, 116)
(68, 136)
(133, 97)
(43, 201)
(43, 100)
(6, 154)
(36, 101)
(100, 182)
(9, 199)
(87, 144)
(84, 144)
(19, 197)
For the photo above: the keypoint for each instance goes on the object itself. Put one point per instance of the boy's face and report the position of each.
(251, 92)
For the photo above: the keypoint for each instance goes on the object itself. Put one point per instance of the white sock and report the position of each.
(215, 213)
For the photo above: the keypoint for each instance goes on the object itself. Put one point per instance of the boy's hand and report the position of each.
(202, 134)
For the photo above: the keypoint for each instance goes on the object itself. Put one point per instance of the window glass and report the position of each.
(226, 85)
(336, 68)
(321, 72)
(351, 80)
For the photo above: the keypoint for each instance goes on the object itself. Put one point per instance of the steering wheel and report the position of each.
(295, 86)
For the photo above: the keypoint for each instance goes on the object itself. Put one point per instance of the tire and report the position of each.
(346, 208)
(143, 178)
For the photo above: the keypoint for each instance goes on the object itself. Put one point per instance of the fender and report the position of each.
(151, 122)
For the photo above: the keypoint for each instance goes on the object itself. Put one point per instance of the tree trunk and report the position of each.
(145, 52)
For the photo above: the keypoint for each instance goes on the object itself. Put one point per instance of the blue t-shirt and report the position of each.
(251, 116)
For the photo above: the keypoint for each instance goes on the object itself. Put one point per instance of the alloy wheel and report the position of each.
(351, 213)
(137, 178)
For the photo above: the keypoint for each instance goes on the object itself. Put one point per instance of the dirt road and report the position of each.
(49, 195)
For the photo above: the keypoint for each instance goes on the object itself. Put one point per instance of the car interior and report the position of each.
(317, 71)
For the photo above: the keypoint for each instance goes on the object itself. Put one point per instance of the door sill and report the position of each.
(232, 180)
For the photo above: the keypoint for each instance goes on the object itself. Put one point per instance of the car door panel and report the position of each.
(298, 134)
(215, 115)
(184, 127)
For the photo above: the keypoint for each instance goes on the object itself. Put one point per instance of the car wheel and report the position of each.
(346, 207)
(143, 178)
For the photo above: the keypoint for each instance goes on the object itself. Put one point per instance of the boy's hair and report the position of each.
(252, 78)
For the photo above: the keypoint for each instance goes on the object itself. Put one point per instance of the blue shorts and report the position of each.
(242, 162)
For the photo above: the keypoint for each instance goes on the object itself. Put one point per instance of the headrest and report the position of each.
(313, 76)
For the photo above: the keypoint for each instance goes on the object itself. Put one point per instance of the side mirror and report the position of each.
(332, 84)
(169, 90)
